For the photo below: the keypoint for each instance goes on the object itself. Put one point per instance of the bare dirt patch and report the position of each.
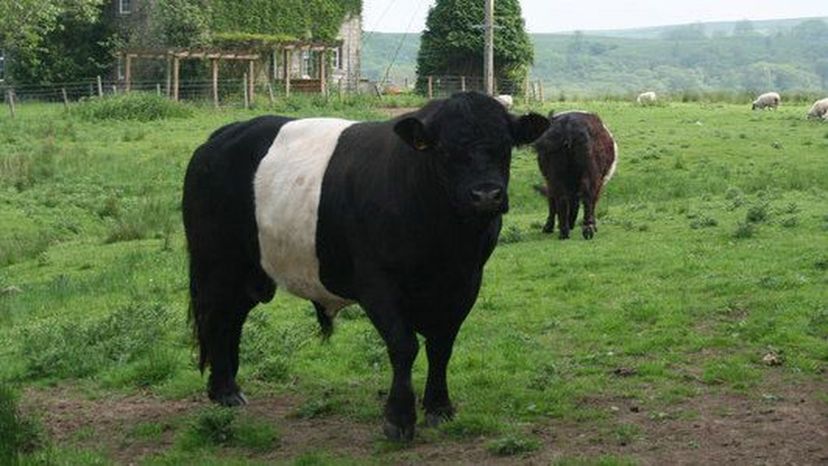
(788, 427)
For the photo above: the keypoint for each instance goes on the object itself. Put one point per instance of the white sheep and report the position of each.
(506, 100)
(767, 100)
(646, 98)
(819, 109)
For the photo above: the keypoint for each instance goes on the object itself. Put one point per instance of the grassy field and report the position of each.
(692, 329)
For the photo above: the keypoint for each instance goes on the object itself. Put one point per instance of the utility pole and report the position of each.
(488, 50)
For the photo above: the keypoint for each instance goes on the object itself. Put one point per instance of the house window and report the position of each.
(306, 64)
(337, 58)
(124, 7)
(2, 65)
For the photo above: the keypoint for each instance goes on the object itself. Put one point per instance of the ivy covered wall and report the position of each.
(300, 19)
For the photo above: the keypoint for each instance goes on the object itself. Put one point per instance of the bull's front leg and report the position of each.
(436, 400)
(401, 341)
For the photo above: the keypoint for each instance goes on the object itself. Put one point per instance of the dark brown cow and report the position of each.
(577, 156)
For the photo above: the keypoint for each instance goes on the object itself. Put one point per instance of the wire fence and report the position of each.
(238, 92)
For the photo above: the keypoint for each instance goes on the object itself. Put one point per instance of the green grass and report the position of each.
(710, 252)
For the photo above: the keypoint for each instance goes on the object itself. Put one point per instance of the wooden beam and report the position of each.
(127, 73)
(168, 75)
(430, 87)
(175, 72)
(244, 91)
(100, 86)
(214, 66)
(288, 64)
(323, 86)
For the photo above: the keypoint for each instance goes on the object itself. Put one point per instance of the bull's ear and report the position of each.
(413, 132)
(528, 128)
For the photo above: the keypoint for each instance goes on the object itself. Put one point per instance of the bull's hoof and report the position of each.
(548, 228)
(435, 418)
(588, 231)
(230, 399)
(563, 236)
(397, 433)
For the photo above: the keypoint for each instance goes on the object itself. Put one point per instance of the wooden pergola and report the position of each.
(286, 50)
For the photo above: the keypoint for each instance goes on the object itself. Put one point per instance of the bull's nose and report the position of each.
(487, 199)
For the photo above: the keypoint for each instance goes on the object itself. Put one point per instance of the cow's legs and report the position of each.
(399, 337)
(222, 335)
(562, 207)
(589, 227)
(550, 220)
(573, 212)
(436, 400)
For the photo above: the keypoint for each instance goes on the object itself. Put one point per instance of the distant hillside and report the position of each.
(784, 55)
(711, 29)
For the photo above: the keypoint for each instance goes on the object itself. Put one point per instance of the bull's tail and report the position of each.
(198, 318)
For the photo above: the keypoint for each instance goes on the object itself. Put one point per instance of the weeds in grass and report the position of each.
(703, 221)
(150, 218)
(757, 213)
(470, 425)
(745, 230)
(790, 222)
(64, 349)
(223, 427)
(512, 234)
(512, 445)
(315, 408)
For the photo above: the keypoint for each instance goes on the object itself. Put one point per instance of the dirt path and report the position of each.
(791, 428)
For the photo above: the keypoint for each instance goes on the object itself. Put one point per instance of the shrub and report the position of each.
(703, 221)
(218, 426)
(134, 106)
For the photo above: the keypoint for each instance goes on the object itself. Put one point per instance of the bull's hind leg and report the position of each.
(562, 205)
(589, 228)
(549, 227)
(574, 206)
(221, 307)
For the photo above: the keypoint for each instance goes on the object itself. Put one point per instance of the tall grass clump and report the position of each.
(18, 435)
(66, 349)
(134, 106)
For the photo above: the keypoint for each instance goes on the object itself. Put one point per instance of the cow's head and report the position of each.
(470, 137)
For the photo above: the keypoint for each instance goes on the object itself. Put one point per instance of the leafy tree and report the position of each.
(821, 68)
(53, 40)
(452, 43)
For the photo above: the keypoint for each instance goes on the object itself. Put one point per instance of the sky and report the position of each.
(570, 15)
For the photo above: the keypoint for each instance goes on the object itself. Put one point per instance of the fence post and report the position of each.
(540, 86)
(340, 86)
(244, 91)
(270, 92)
(114, 90)
(214, 67)
(158, 89)
(10, 98)
(168, 73)
(251, 76)
(175, 71)
(430, 87)
(65, 98)
(462, 84)
(100, 87)
(288, 64)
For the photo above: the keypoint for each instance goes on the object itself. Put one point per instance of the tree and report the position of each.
(51, 39)
(452, 43)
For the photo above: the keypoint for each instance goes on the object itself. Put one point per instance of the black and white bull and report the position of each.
(399, 216)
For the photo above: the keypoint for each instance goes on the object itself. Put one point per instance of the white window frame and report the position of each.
(337, 58)
(122, 10)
